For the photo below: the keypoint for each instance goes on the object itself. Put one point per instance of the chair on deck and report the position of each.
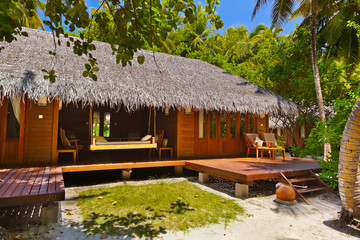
(253, 141)
(67, 145)
(270, 141)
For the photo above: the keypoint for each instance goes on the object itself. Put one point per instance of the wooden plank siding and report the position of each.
(185, 135)
(40, 132)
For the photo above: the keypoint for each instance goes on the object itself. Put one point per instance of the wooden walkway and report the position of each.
(22, 186)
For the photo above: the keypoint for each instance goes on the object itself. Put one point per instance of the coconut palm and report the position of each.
(28, 13)
(349, 168)
(281, 11)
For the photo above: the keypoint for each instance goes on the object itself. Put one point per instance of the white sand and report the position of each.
(264, 219)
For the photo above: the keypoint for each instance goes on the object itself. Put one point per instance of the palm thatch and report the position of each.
(163, 80)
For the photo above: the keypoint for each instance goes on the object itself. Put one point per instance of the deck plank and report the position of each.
(8, 182)
(14, 184)
(37, 184)
(45, 181)
(30, 182)
(4, 172)
(59, 185)
(23, 183)
(52, 180)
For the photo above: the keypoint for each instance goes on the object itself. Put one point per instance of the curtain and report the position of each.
(16, 105)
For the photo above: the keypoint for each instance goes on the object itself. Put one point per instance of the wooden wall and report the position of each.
(40, 140)
(185, 135)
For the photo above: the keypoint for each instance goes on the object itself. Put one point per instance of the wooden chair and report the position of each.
(67, 145)
(251, 144)
(270, 141)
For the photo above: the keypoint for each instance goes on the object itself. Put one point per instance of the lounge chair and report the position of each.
(253, 141)
(70, 144)
(270, 141)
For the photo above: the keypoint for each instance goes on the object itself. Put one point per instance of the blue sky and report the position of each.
(237, 12)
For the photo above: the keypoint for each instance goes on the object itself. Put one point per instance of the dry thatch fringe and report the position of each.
(182, 82)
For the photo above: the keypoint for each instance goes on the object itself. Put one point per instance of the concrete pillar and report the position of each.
(241, 190)
(125, 174)
(178, 171)
(50, 212)
(203, 177)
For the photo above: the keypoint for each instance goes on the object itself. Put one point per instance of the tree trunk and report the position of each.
(349, 168)
(319, 98)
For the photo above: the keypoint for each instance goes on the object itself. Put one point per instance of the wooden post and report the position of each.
(3, 121)
(125, 174)
(155, 122)
(203, 177)
(178, 171)
(50, 212)
(149, 124)
(90, 124)
(54, 155)
(22, 131)
(241, 190)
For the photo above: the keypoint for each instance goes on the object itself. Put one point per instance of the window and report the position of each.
(212, 124)
(201, 124)
(242, 125)
(223, 124)
(96, 124)
(232, 125)
(251, 124)
(13, 118)
(106, 124)
(101, 123)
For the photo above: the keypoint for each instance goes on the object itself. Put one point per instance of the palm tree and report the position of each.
(280, 13)
(349, 168)
(28, 11)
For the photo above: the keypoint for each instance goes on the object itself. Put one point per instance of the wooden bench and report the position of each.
(73, 151)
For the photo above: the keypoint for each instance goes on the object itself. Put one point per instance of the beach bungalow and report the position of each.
(201, 110)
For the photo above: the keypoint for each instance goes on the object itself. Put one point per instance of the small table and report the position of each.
(165, 148)
(73, 151)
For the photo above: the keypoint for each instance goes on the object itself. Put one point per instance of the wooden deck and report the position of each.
(245, 170)
(21, 186)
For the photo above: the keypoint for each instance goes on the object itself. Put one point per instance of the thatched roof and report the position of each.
(170, 81)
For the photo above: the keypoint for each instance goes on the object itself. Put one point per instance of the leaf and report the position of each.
(1, 180)
(100, 197)
(94, 77)
(141, 59)
(69, 213)
(113, 203)
(104, 236)
(87, 66)
(85, 73)
(95, 69)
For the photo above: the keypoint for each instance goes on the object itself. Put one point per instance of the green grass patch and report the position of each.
(148, 210)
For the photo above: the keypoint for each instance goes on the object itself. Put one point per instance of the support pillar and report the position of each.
(50, 212)
(125, 174)
(178, 171)
(241, 190)
(203, 177)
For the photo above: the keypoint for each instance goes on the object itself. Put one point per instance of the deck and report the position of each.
(245, 170)
(22, 186)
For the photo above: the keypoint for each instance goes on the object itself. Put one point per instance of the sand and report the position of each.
(264, 219)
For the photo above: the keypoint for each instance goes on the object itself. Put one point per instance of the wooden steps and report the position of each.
(308, 182)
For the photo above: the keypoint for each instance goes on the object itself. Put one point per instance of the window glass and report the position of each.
(232, 125)
(223, 123)
(212, 124)
(251, 124)
(96, 124)
(12, 124)
(201, 124)
(106, 124)
(242, 125)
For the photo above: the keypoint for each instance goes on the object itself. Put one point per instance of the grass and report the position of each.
(148, 210)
